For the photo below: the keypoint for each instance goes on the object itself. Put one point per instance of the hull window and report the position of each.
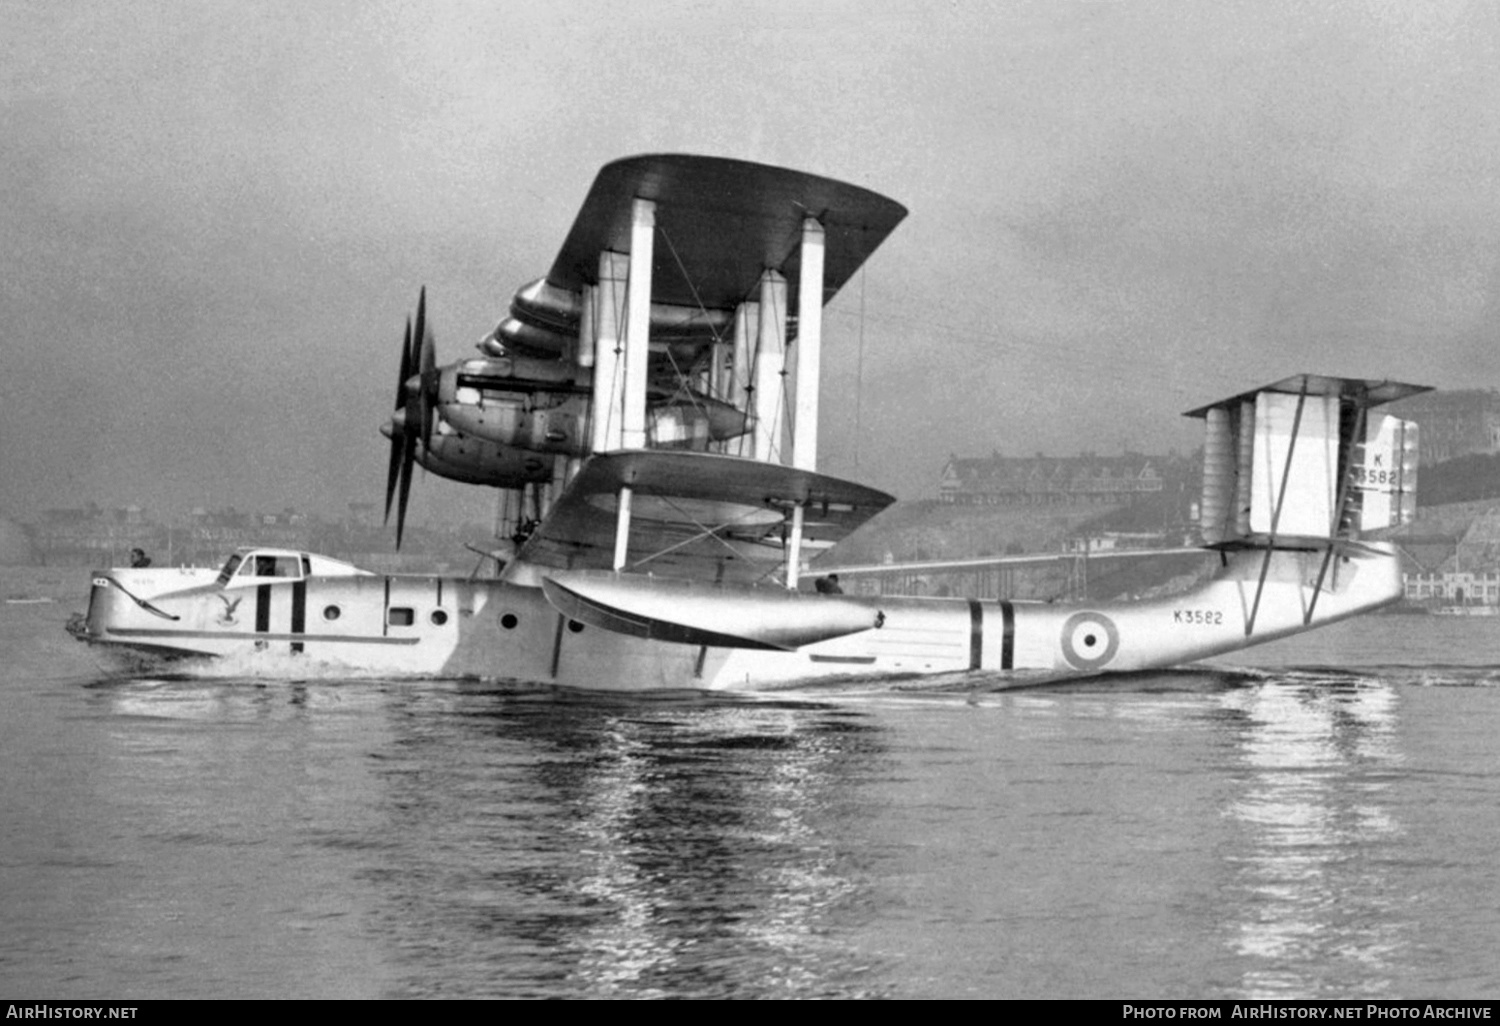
(332, 612)
(263, 564)
(401, 616)
(439, 617)
(229, 569)
(509, 621)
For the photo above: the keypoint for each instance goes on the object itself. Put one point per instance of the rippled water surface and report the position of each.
(1318, 818)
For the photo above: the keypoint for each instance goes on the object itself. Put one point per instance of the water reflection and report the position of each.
(1312, 910)
(601, 849)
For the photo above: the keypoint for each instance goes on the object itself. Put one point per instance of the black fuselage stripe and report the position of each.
(557, 643)
(976, 634)
(1008, 642)
(262, 608)
(299, 612)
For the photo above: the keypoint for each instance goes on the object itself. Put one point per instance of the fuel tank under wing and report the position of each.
(694, 613)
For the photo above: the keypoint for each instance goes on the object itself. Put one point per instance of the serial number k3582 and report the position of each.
(1198, 617)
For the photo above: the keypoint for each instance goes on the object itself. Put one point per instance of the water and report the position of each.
(1317, 818)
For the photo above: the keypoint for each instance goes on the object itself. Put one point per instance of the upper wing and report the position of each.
(726, 220)
(694, 515)
(721, 223)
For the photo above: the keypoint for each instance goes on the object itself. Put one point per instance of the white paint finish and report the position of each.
(501, 630)
(614, 270)
(809, 346)
(1303, 452)
(638, 325)
(770, 366)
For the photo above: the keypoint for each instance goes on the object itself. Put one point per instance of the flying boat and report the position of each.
(648, 412)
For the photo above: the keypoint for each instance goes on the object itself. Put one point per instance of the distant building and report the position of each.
(1120, 541)
(1453, 424)
(1460, 570)
(1049, 480)
(1480, 588)
(91, 536)
(15, 545)
(364, 514)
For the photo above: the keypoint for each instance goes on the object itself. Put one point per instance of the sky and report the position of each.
(217, 215)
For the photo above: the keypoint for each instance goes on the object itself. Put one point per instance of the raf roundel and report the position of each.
(1089, 641)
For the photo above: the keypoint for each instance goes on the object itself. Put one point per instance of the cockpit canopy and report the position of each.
(250, 567)
(264, 565)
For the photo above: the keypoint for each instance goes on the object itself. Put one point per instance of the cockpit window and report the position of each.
(266, 565)
(229, 568)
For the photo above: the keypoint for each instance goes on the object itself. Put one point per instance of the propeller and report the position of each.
(398, 437)
(416, 406)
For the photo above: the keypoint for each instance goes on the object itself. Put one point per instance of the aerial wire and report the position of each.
(859, 382)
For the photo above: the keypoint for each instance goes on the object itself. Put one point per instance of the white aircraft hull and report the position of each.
(358, 625)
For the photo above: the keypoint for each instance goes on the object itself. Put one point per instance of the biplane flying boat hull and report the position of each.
(361, 624)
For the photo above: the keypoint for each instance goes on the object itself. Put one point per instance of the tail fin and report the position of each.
(1303, 461)
(1383, 478)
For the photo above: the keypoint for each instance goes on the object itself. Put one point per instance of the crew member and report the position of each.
(828, 585)
(138, 558)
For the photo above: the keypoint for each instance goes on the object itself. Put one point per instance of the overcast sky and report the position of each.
(216, 215)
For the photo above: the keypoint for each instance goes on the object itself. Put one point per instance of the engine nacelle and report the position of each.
(477, 461)
(542, 406)
(692, 422)
(519, 402)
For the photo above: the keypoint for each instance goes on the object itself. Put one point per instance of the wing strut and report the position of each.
(638, 324)
(1286, 477)
(794, 547)
(1340, 508)
(622, 527)
(809, 348)
(608, 309)
(770, 368)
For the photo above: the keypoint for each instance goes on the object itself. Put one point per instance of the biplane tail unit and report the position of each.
(649, 411)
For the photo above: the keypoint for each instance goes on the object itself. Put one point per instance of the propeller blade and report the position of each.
(408, 457)
(428, 355)
(421, 330)
(428, 411)
(405, 366)
(393, 471)
(416, 406)
(426, 358)
(397, 441)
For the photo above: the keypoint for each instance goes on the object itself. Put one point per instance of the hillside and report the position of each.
(930, 529)
(15, 546)
(1465, 479)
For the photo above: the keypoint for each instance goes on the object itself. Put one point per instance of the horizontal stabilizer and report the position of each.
(1304, 460)
(690, 613)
